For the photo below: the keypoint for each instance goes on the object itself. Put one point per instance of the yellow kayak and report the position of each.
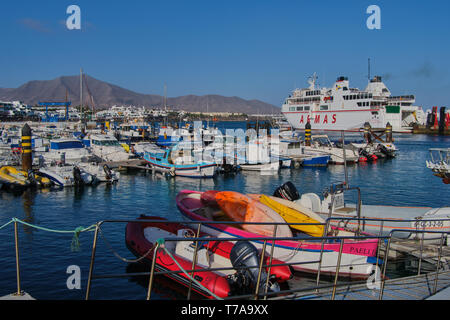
(291, 215)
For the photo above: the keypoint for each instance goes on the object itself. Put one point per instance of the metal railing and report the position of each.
(265, 240)
(272, 242)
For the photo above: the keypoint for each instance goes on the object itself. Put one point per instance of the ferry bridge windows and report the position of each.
(291, 108)
(323, 108)
(307, 108)
(299, 108)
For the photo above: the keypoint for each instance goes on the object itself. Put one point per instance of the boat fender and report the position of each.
(77, 176)
(244, 258)
(172, 171)
(107, 171)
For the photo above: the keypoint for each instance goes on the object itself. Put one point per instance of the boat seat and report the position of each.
(310, 201)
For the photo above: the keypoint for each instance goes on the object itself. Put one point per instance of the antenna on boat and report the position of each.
(345, 159)
(81, 94)
(368, 70)
(165, 102)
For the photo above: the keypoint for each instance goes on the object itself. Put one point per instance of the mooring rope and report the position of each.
(75, 244)
(108, 244)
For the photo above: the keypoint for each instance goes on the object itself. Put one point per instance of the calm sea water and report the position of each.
(45, 257)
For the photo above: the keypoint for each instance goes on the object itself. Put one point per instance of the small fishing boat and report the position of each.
(404, 219)
(67, 150)
(292, 148)
(179, 161)
(102, 173)
(106, 147)
(67, 175)
(302, 251)
(440, 163)
(321, 144)
(141, 237)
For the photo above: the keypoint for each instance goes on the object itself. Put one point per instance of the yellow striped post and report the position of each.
(26, 148)
(367, 128)
(308, 134)
(388, 132)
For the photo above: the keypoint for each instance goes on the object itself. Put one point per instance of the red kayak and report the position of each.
(141, 236)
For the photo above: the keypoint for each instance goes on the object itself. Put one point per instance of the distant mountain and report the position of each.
(106, 95)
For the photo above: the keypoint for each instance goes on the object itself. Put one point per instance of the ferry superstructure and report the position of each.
(344, 108)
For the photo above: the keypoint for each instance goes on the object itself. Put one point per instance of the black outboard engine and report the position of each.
(287, 191)
(107, 171)
(245, 255)
(77, 176)
(32, 178)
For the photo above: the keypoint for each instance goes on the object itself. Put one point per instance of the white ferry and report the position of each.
(344, 108)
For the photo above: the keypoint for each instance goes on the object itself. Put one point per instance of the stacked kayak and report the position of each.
(291, 215)
(141, 237)
(301, 250)
(241, 208)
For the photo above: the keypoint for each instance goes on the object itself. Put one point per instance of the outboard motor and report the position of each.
(77, 176)
(32, 178)
(107, 171)
(287, 191)
(245, 255)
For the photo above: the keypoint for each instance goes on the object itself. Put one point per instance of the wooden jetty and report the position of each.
(418, 287)
(419, 129)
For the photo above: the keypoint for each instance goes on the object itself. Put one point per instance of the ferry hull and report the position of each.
(337, 120)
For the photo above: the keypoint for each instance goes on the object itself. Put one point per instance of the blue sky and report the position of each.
(251, 49)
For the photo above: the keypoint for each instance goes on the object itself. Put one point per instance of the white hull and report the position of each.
(351, 265)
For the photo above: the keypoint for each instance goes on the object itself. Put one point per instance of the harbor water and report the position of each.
(46, 256)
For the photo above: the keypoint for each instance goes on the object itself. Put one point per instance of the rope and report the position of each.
(75, 244)
(120, 257)
(161, 242)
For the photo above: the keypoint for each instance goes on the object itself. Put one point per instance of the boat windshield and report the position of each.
(106, 142)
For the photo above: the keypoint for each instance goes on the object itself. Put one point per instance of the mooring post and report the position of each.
(308, 134)
(388, 133)
(27, 161)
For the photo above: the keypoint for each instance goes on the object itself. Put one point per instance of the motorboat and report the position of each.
(67, 175)
(101, 172)
(440, 163)
(404, 219)
(106, 147)
(321, 144)
(68, 150)
(302, 251)
(179, 161)
(222, 256)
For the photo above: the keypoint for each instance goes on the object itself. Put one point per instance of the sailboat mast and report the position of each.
(81, 94)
